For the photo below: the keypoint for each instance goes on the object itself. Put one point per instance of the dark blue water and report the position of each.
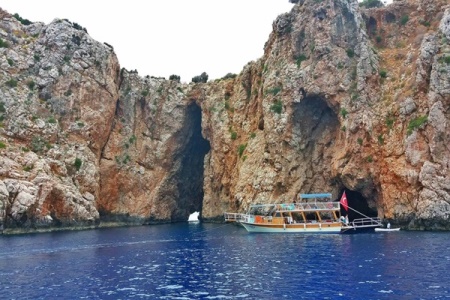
(213, 261)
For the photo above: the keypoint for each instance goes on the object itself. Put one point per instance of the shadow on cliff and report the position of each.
(315, 127)
(181, 192)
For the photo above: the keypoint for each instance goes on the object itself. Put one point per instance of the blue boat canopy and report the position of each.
(311, 196)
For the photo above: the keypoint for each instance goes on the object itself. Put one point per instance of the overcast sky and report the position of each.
(161, 38)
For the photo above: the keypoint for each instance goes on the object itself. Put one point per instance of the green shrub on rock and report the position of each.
(371, 3)
(175, 78)
(3, 44)
(416, 123)
(22, 20)
(277, 107)
(201, 78)
(78, 162)
(12, 83)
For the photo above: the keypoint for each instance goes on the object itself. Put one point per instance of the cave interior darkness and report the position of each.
(359, 203)
(190, 176)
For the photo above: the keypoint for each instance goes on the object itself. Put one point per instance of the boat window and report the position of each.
(326, 215)
(311, 217)
(298, 218)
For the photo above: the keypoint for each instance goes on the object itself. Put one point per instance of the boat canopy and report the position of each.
(312, 196)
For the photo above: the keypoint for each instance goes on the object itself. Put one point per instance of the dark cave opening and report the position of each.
(390, 18)
(314, 131)
(314, 123)
(371, 26)
(357, 203)
(191, 172)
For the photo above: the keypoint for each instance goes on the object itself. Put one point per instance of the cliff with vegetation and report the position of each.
(344, 98)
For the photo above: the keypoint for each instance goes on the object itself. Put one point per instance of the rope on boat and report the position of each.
(359, 212)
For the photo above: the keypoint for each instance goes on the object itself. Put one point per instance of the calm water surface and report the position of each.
(216, 261)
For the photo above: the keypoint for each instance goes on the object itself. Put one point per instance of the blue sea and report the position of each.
(223, 261)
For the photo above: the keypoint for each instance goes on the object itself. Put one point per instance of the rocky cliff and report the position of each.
(343, 99)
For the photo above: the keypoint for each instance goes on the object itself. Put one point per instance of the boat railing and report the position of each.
(235, 217)
(309, 206)
(366, 222)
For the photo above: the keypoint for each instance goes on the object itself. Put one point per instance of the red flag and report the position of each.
(344, 202)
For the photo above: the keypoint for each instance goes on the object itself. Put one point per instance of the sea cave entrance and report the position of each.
(190, 174)
(357, 203)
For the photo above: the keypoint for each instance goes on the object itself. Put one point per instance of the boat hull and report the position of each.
(386, 229)
(293, 228)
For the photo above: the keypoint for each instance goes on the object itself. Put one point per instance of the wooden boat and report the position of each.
(314, 213)
(386, 229)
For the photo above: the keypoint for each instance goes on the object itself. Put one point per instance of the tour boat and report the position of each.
(313, 213)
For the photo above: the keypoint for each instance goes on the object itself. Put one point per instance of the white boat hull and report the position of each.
(386, 229)
(293, 228)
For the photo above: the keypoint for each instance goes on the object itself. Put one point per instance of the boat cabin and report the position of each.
(310, 208)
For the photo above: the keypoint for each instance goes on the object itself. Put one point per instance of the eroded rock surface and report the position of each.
(343, 99)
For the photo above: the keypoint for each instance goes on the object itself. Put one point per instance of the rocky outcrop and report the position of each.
(58, 93)
(151, 169)
(342, 99)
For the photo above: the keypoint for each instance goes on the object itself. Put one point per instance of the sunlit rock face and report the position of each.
(344, 98)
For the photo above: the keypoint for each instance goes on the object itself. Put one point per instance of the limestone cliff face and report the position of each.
(151, 169)
(57, 103)
(342, 99)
